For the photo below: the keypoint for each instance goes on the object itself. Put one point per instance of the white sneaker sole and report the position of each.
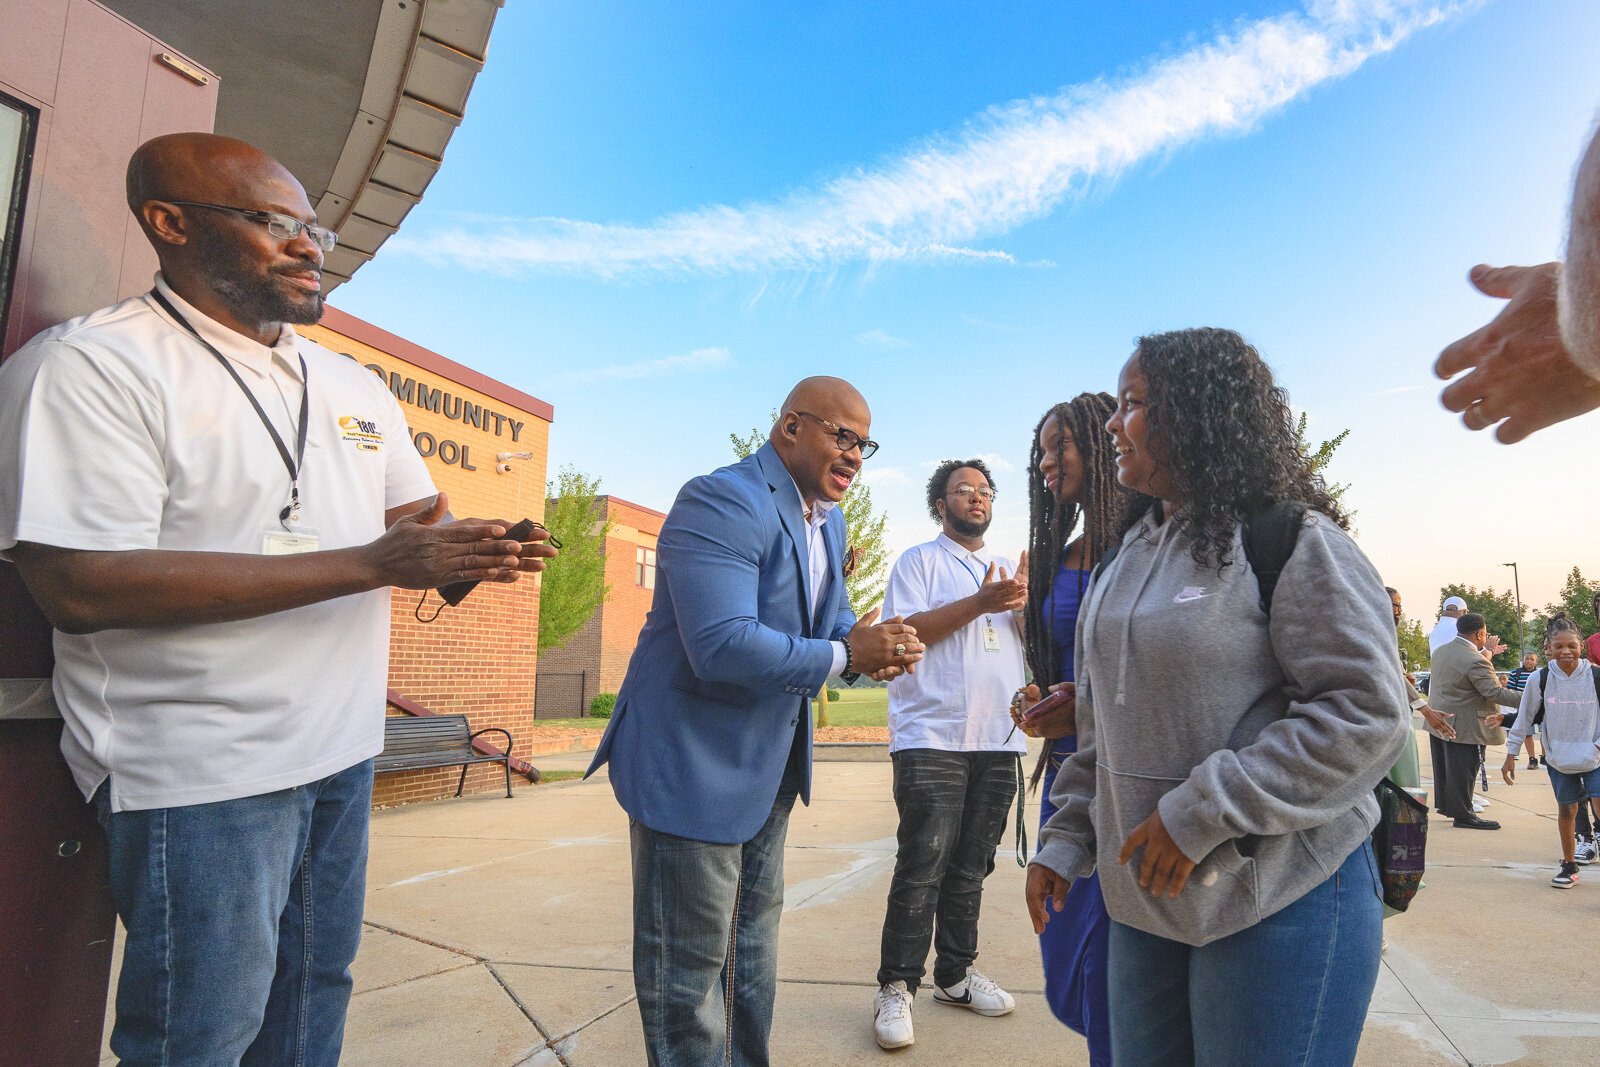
(892, 1045)
(990, 1013)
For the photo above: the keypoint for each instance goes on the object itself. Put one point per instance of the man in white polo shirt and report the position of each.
(211, 509)
(956, 753)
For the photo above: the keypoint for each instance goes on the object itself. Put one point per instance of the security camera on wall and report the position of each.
(503, 467)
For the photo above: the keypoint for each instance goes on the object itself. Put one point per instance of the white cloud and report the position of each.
(698, 361)
(1011, 164)
(882, 339)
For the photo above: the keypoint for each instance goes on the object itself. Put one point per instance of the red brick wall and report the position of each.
(478, 658)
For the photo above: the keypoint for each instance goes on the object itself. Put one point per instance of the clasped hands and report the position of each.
(1164, 871)
(883, 650)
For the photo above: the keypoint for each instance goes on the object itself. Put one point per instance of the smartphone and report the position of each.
(1050, 703)
(456, 592)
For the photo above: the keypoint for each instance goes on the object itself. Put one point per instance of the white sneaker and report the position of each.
(891, 1016)
(977, 993)
(1584, 853)
(1478, 804)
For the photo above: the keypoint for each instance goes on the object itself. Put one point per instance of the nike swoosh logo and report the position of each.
(1184, 598)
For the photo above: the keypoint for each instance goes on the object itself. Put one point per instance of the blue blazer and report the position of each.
(718, 691)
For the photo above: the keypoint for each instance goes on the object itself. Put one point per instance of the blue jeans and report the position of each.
(1291, 991)
(953, 808)
(243, 917)
(705, 940)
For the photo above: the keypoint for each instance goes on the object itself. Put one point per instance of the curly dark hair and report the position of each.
(1220, 427)
(941, 478)
(1051, 524)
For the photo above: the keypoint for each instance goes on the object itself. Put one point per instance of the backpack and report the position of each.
(1401, 835)
(1270, 534)
(1544, 679)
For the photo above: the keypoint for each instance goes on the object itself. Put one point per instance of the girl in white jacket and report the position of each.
(1566, 693)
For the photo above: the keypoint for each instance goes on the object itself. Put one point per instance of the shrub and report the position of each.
(602, 705)
(833, 694)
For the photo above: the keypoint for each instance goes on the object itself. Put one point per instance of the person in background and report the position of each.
(1464, 685)
(216, 557)
(1444, 631)
(956, 752)
(1592, 646)
(1223, 783)
(1406, 772)
(1075, 504)
(1564, 696)
(1517, 681)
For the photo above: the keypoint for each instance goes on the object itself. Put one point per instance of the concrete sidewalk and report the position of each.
(498, 934)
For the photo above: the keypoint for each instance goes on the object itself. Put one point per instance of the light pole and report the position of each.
(1522, 640)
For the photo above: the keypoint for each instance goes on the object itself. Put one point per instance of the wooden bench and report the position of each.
(417, 742)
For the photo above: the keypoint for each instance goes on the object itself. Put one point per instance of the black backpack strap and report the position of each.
(1104, 561)
(1544, 676)
(1270, 535)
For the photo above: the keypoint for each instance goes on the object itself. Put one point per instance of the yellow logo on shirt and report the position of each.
(363, 433)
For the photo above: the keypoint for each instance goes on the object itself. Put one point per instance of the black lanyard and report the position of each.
(291, 463)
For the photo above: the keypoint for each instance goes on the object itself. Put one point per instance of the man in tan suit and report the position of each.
(1463, 684)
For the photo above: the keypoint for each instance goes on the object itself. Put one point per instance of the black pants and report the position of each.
(1454, 767)
(953, 808)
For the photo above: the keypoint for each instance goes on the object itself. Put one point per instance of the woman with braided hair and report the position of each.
(1074, 504)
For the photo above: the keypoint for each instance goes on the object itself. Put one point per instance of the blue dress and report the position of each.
(1073, 944)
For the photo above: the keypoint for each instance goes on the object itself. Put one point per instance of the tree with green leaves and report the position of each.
(571, 591)
(1317, 458)
(1414, 645)
(1499, 611)
(869, 572)
(1577, 601)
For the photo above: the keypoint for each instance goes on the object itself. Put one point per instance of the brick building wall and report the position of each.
(600, 651)
(479, 658)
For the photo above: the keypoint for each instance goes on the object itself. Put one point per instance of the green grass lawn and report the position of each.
(858, 707)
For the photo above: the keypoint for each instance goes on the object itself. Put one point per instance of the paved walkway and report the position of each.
(498, 935)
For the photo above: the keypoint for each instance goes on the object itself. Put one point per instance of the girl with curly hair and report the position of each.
(1227, 749)
(1075, 505)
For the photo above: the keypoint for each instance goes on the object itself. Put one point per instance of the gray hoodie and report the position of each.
(1260, 741)
(1571, 719)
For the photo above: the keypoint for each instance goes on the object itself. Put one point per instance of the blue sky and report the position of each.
(659, 218)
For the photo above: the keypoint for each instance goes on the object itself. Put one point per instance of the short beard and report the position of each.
(249, 296)
(968, 528)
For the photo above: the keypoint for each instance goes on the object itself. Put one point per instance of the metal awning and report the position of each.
(358, 98)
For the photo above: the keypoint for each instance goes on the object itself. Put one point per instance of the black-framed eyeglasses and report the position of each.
(967, 492)
(283, 227)
(845, 439)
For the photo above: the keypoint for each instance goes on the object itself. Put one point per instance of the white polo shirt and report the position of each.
(119, 431)
(959, 699)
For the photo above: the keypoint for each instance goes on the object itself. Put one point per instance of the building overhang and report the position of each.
(357, 98)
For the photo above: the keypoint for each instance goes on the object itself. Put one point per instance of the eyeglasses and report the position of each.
(845, 439)
(967, 492)
(283, 227)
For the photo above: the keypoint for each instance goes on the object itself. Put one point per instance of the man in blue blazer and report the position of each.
(710, 741)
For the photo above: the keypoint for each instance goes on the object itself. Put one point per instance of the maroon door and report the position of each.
(91, 87)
